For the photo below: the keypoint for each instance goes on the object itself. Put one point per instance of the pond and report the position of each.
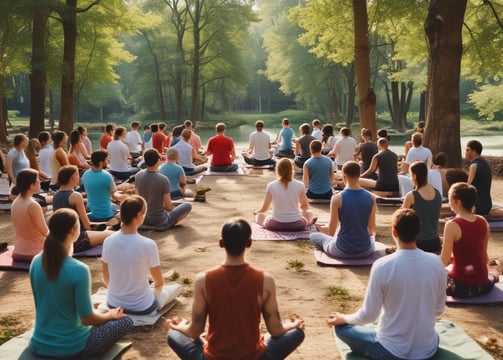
(493, 145)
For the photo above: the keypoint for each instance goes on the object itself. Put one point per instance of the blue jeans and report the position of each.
(321, 241)
(276, 348)
(362, 341)
(179, 212)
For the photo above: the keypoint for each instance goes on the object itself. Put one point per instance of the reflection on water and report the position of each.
(493, 145)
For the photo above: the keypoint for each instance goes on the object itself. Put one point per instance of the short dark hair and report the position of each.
(259, 124)
(18, 139)
(236, 236)
(464, 192)
(453, 176)
(121, 130)
(351, 169)
(440, 159)
(177, 130)
(162, 126)
(187, 123)
(367, 132)
(186, 134)
(407, 224)
(315, 146)
(109, 127)
(285, 121)
(151, 157)
(220, 127)
(75, 136)
(305, 129)
(135, 124)
(65, 174)
(154, 128)
(419, 169)
(316, 122)
(44, 137)
(475, 145)
(98, 156)
(130, 207)
(417, 139)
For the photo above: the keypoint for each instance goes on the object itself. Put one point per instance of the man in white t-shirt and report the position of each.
(316, 133)
(118, 154)
(134, 140)
(418, 152)
(259, 150)
(404, 304)
(46, 150)
(344, 148)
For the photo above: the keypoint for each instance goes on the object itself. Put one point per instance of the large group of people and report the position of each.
(92, 188)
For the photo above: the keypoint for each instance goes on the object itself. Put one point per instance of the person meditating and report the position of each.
(465, 242)
(232, 297)
(129, 259)
(318, 173)
(66, 325)
(355, 209)
(290, 207)
(221, 147)
(28, 217)
(426, 201)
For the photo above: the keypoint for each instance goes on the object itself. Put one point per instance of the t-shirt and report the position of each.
(173, 172)
(405, 305)
(319, 174)
(346, 148)
(59, 306)
(184, 154)
(285, 201)
(134, 141)
(98, 185)
(44, 158)
(129, 258)
(317, 133)
(19, 161)
(367, 151)
(260, 141)
(286, 139)
(195, 141)
(118, 154)
(152, 186)
(305, 142)
(221, 147)
(158, 139)
(104, 140)
(419, 153)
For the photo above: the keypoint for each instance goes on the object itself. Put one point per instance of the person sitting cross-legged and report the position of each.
(221, 147)
(232, 296)
(318, 173)
(175, 175)
(155, 189)
(354, 209)
(259, 150)
(405, 294)
(187, 154)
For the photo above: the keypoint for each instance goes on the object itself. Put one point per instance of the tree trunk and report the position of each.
(37, 76)
(422, 106)
(69, 18)
(196, 61)
(3, 111)
(443, 27)
(366, 95)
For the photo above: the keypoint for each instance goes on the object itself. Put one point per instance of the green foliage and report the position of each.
(9, 328)
(296, 264)
(488, 100)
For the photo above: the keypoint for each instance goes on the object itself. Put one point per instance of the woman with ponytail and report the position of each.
(66, 325)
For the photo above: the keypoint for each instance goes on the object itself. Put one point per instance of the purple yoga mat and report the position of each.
(7, 263)
(495, 296)
(92, 252)
(326, 260)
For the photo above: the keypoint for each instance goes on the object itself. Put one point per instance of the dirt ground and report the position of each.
(302, 285)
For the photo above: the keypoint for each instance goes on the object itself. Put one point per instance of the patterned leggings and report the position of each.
(104, 336)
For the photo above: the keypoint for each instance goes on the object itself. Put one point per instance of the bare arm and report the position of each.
(98, 318)
(10, 171)
(452, 233)
(266, 204)
(106, 274)
(78, 202)
(335, 205)
(303, 201)
(36, 213)
(372, 218)
(270, 311)
(471, 173)
(61, 157)
(195, 327)
(233, 153)
(372, 168)
(408, 202)
(305, 175)
(297, 147)
(156, 274)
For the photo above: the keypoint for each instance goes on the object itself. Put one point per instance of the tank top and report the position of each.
(469, 260)
(387, 168)
(61, 200)
(234, 314)
(429, 213)
(482, 181)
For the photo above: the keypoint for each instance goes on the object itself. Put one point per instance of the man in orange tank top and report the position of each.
(232, 296)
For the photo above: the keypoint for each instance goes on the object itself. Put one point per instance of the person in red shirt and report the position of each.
(159, 138)
(222, 149)
(232, 296)
(107, 137)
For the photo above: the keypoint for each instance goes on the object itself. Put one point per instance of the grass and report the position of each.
(9, 328)
(174, 277)
(296, 264)
(345, 301)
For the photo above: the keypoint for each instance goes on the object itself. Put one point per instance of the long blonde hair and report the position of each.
(284, 171)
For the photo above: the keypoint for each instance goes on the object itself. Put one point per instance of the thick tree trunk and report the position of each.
(422, 106)
(37, 76)
(69, 18)
(366, 95)
(3, 111)
(196, 62)
(443, 27)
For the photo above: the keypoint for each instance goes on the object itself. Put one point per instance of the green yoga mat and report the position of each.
(454, 345)
(18, 349)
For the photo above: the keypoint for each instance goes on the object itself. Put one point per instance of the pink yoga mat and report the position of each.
(259, 233)
(326, 260)
(7, 263)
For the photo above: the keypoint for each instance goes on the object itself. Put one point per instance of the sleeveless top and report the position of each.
(61, 200)
(429, 213)
(387, 168)
(469, 259)
(353, 235)
(234, 314)
(482, 181)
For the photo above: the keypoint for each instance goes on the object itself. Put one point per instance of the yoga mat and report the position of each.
(319, 201)
(495, 296)
(7, 263)
(454, 345)
(172, 291)
(496, 226)
(249, 166)
(326, 260)
(92, 252)
(18, 348)
(238, 172)
(389, 201)
(259, 233)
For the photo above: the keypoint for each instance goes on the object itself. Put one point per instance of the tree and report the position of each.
(443, 28)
